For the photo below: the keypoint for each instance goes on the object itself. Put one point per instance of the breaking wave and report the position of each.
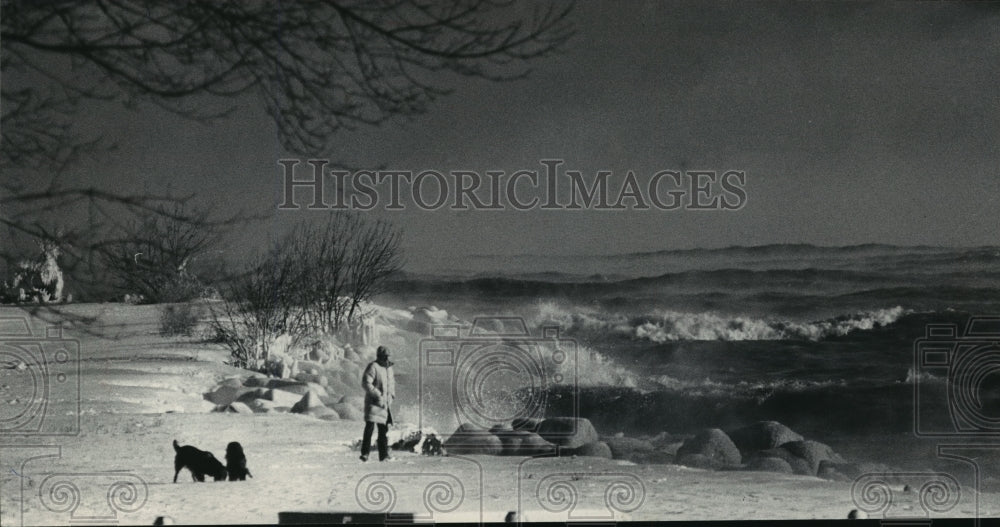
(670, 326)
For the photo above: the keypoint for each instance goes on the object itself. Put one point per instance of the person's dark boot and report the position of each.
(383, 449)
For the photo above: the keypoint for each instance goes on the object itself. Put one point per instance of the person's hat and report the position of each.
(382, 352)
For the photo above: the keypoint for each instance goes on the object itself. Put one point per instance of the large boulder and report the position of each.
(350, 372)
(318, 389)
(844, 471)
(330, 400)
(311, 367)
(699, 461)
(322, 412)
(798, 465)
(637, 451)
(335, 385)
(349, 412)
(324, 349)
(357, 401)
(500, 429)
(321, 380)
(281, 398)
(568, 432)
(308, 401)
(252, 394)
(524, 443)
(830, 473)
(470, 439)
(226, 394)
(813, 452)
(352, 356)
(769, 464)
(426, 317)
(234, 382)
(295, 386)
(714, 445)
(595, 449)
(280, 362)
(239, 408)
(666, 440)
(256, 381)
(261, 406)
(762, 435)
(530, 424)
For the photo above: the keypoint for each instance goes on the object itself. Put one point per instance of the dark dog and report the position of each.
(432, 446)
(199, 462)
(236, 462)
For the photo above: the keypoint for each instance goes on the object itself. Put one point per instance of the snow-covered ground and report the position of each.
(139, 391)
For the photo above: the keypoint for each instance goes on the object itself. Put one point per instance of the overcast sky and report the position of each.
(855, 123)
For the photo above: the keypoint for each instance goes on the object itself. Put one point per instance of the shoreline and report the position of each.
(327, 473)
(140, 391)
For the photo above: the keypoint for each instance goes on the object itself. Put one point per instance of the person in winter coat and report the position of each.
(379, 383)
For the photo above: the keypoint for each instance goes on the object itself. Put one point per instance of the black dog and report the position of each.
(236, 462)
(198, 462)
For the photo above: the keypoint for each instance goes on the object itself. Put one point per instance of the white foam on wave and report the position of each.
(758, 389)
(594, 369)
(922, 377)
(668, 326)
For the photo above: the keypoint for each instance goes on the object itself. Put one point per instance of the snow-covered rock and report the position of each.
(349, 412)
(308, 401)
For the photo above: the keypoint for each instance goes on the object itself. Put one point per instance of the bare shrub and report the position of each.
(314, 281)
(257, 307)
(179, 319)
(154, 254)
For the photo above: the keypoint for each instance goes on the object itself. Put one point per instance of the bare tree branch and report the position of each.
(318, 67)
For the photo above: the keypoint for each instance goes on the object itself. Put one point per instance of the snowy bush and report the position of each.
(179, 319)
(317, 281)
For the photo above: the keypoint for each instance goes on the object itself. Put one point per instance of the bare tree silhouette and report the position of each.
(317, 280)
(318, 67)
(153, 257)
